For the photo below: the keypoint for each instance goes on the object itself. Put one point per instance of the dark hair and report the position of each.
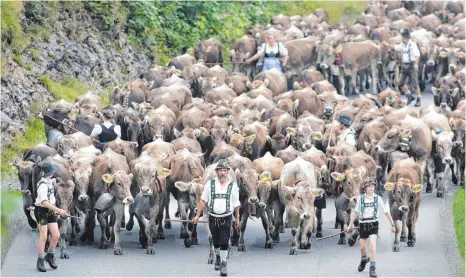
(108, 114)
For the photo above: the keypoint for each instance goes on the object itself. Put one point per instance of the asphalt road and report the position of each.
(435, 254)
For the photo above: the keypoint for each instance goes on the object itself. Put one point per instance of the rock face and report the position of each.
(80, 47)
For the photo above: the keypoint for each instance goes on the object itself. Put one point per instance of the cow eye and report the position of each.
(440, 146)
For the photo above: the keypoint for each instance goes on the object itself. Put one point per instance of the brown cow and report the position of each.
(404, 182)
(183, 61)
(277, 80)
(243, 49)
(209, 51)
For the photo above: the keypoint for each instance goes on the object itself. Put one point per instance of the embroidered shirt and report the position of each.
(219, 205)
(410, 51)
(45, 192)
(273, 50)
(369, 208)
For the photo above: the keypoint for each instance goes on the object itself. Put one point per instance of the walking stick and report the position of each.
(68, 126)
(184, 221)
(335, 234)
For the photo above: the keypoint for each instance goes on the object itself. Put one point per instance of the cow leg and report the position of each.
(119, 210)
(374, 76)
(194, 233)
(265, 224)
(396, 243)
(343, 220)
(411, 234)
(294, 249)
(89, 227)
(74, 226)
(151, 228)
(430, 174)
(319, 222)
(168, 224)
(142, 231)
(454, 172)
(103, 235)
(441, 181)
(130, 224)
(183, 216)
(303, 234)
(341, 81)
(404, 228)
(337, 222)
(270, 219)
(160, 231)
(244, 221)
(276, 207)
(110, 228)
(63, 227)
(32, 223)
(397, 78)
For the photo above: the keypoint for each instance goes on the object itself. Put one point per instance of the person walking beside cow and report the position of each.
(347, 133)
(221, 196)
(274, 53)
(106, 131)
(46, 218)
(410, 65)
(367, 208)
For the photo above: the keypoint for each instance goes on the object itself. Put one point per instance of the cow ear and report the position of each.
(182, 186)
(266, 82)
(176, 133)
(389, 186)
(368, 146)
(434, 91)
(416, 188)
(266, 175)
(197, 133)
(231, 85)
(291, 131)
(250, 139)
(164, 173)
(107, 178)
(362, 171)
(451, 121)
(275, 184)
(295, 86)
(316, 135)
(135, 105)
(316, 192)
(269, 139)
(406, 132)
(290, 191)
(296, 103)
(434, 135)
(338, 176)
(455, 92)
(249, 85)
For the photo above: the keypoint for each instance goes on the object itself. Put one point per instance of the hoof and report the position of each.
(293, 251)
(241, 248)
(161, 235)
(72, 242)
(351, 241)
(319, 234)
(276, 238)
(210, 260)
(308, 246)
(188, 242)
(103, 246)
(195, 241)
(167, 225)
(342, 241)
(336, 226)
(177, 214)
(117, 252)
(403, 239)
(130, 225)
(234, 241)
(184, 235)
(302, 246)
(396, 248)
(268, 245)
(64, 255)
(150, 250)
(440, 194)
(411, 243)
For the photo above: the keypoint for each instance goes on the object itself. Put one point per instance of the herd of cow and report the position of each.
(278, 133)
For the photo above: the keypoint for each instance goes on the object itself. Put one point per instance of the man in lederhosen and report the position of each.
(221, 196)
(410, 65)
(367, 208)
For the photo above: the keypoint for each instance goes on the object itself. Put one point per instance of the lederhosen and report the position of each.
(407, 69)
(107, 135)
(368, 228)
(220, 225)
(43, 215)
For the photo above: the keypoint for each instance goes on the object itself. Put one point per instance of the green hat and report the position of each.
(222, 164)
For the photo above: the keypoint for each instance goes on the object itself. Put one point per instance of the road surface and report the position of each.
(435, 254)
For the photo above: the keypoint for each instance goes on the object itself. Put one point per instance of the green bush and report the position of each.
(34, 134)
(35, 55)
(12, 34)
(68, 90)
(459, 218)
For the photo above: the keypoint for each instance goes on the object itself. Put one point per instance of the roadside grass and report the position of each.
(459, 218)
(68, 90)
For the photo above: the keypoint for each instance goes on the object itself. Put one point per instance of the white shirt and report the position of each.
(410, 47)
(45, 192)
(98, 129)
(273, 50)
(219, 205)
(369, 207)
(348, 136)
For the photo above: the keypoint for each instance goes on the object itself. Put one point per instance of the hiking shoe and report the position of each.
(50, 258)
(418, 102)
(223, 269)
(362, 264)
(410, 99)
(372, 272)
(41, 265)
(217, 262)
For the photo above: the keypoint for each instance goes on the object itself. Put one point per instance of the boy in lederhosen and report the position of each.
(221, 196)
(367, 208)
(46, 218)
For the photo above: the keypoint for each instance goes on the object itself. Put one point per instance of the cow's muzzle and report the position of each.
(443, 105)
(447, 160)
(431, 63)
(253, 200)
(306, 216)
(262, 205)
(83, 198)
(323, 66)
(128, 200)
(145, 191)
(403, 208)
(27, 192)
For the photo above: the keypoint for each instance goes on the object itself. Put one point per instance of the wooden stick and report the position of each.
(334, 234)
(183, 221)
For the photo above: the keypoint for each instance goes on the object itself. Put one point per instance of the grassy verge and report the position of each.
(459, 218)
(68, 90)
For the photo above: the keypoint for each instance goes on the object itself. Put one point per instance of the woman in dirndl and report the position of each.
(274, 53)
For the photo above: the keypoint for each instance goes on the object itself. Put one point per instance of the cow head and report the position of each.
(153, 128)
(453, 57)
(278, 142)
(329, 102)
(28, 174)
(403, 192)
(360, 121)
(304, 136)
(391, 139)
(289, 106)
(218, 135)
(64, 193)
(67, 145)
(351, 180)
(247, 182)
(187, 132)
(237, 58)
(149, 179)
(134, 128)
(118, 185)
(458, 127)
(327, 56)
(446, 97)
(81, 173)
(194, 188)
(264, 187)
(207, 84)
(300, 198)
(235, 124)
(443, 145)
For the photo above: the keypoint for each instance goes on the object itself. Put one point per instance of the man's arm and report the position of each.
(200, 208)
(53, 208)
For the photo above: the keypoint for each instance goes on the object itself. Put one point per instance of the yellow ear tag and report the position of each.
(267, 177)
(340, 177)
(443, 54)
(389, 186)
(461, 55)
(416, 188)
(317, 137)
(339, 49)
(107, 178)
(291, 133)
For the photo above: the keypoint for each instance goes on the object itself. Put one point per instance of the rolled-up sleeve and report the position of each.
(261, 50)
(235, 196)
(415, 50)
(118, 131)
(42, 195)
(96, 131)
(398, 47)
(358, 205)
(283, 50)
(206, 193)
